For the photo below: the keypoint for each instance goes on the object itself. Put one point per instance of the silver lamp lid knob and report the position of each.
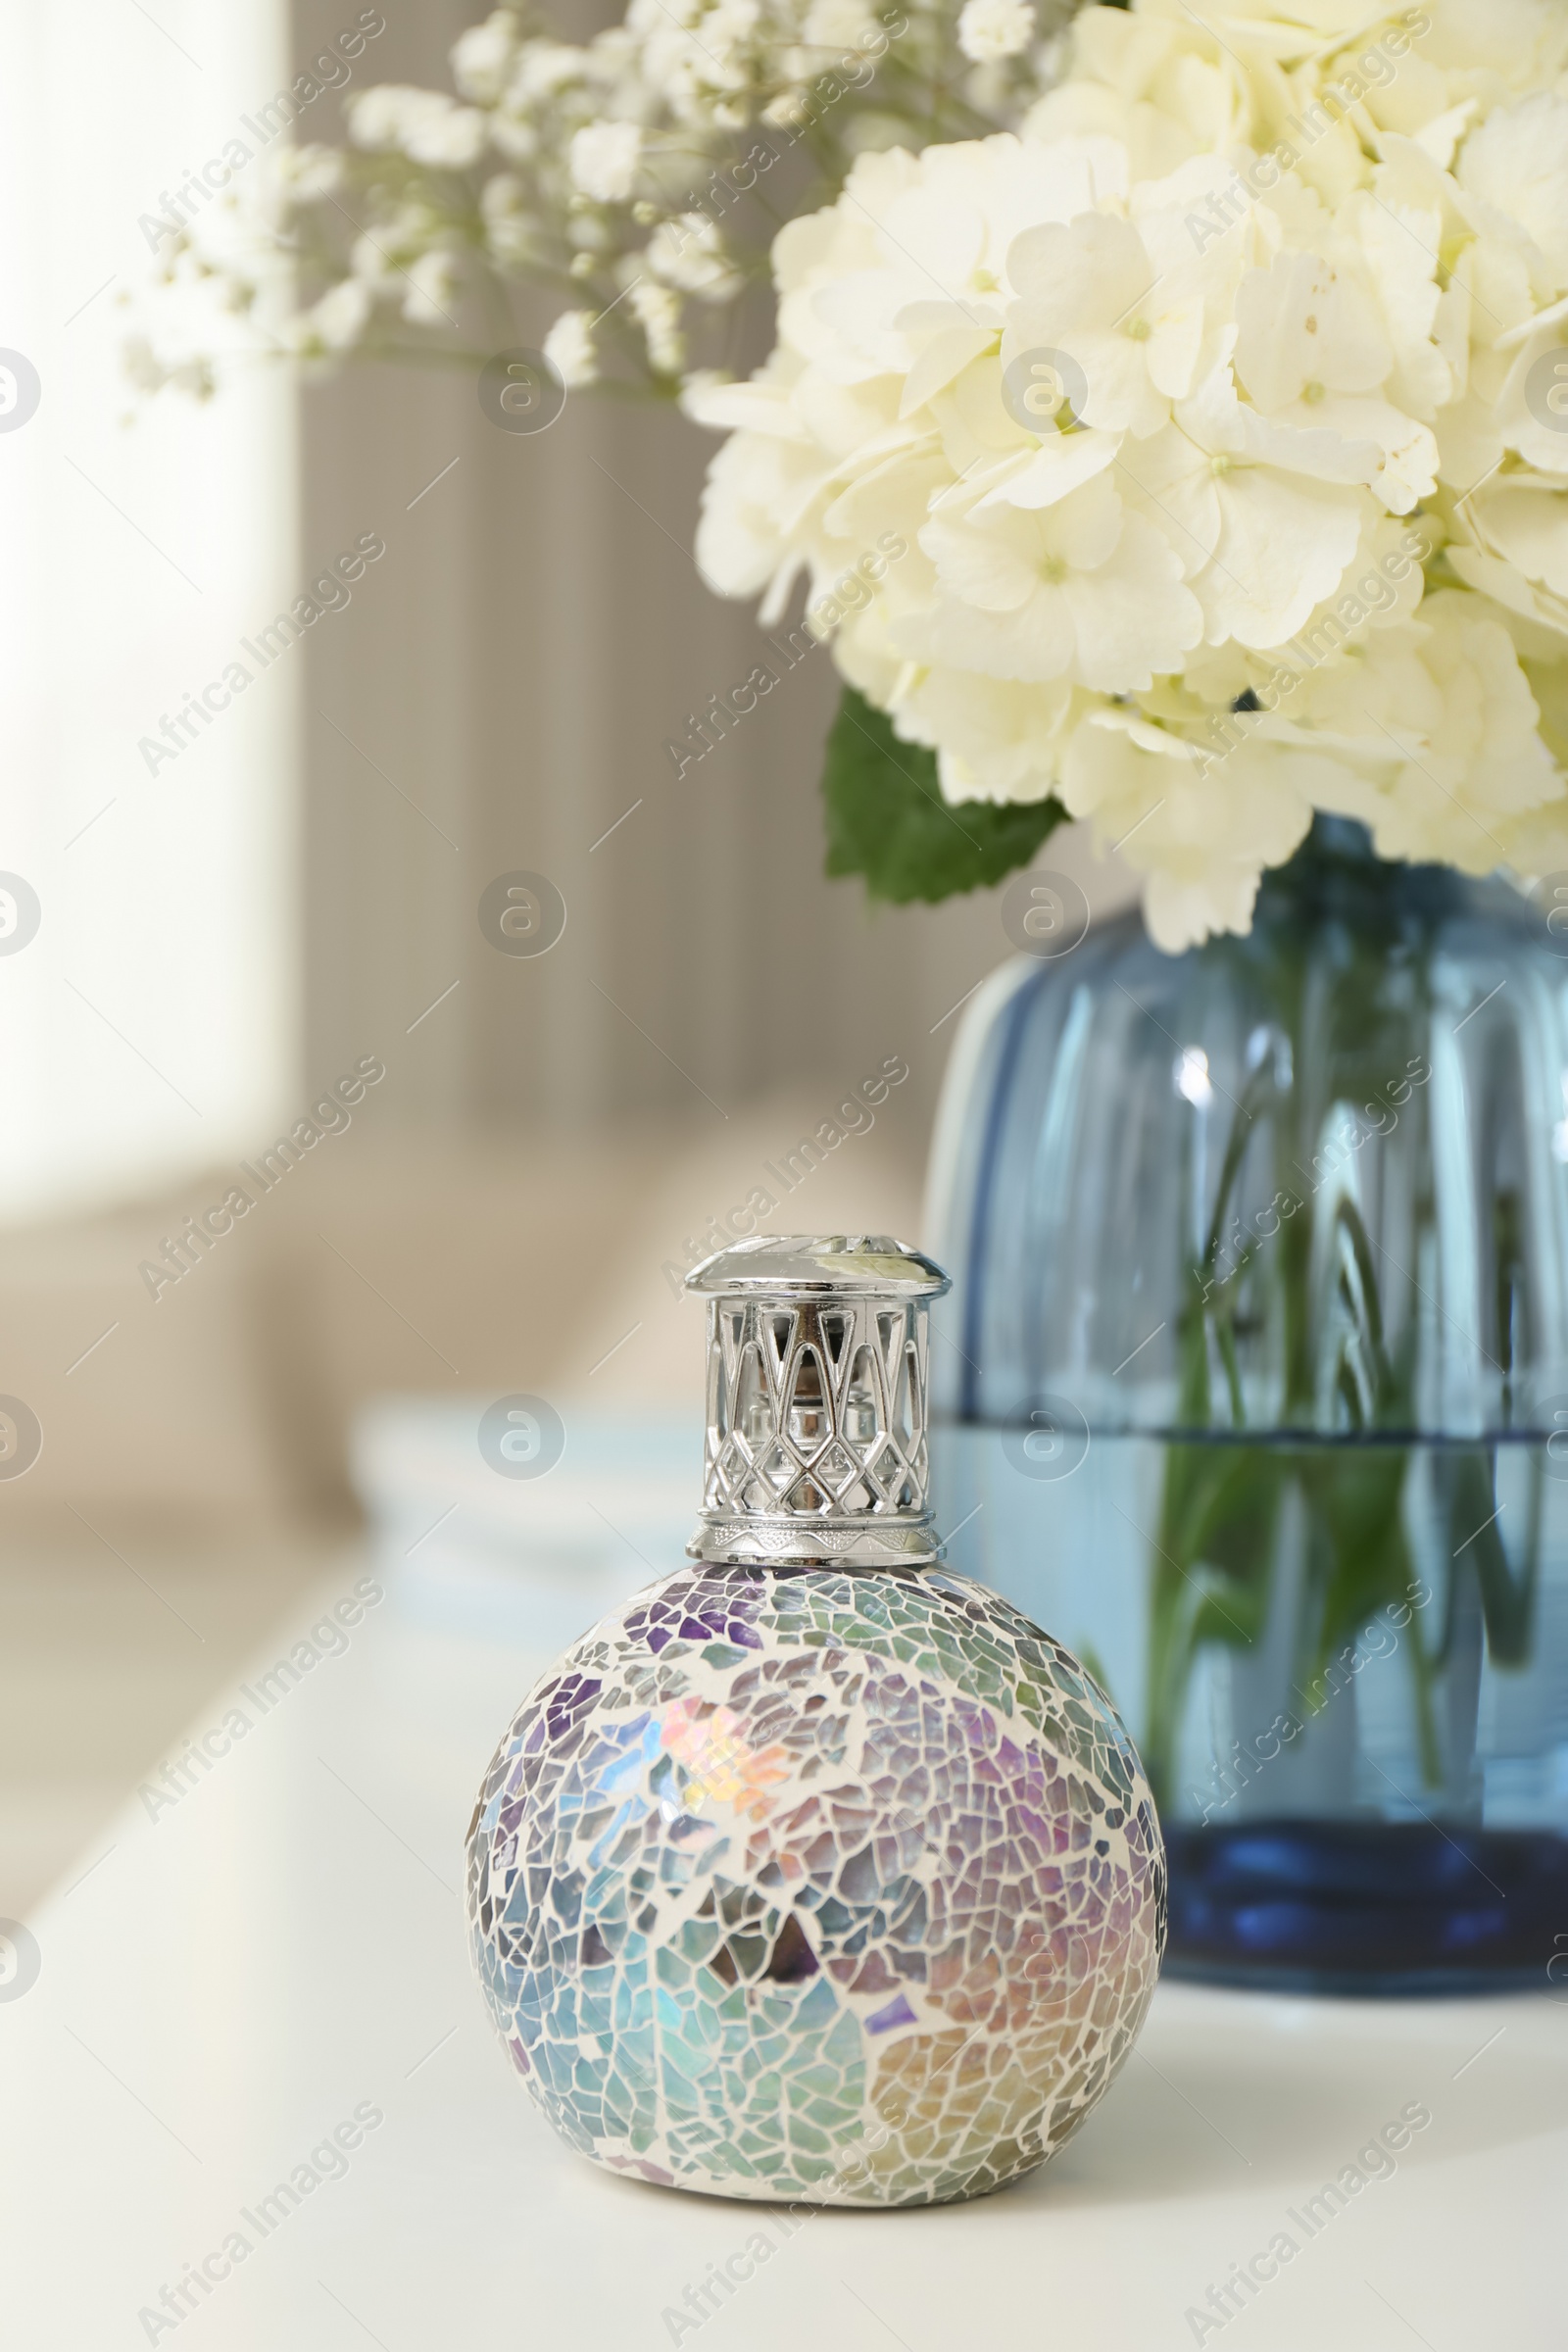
(818, 1352)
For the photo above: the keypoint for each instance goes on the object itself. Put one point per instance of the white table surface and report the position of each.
(233, 1978)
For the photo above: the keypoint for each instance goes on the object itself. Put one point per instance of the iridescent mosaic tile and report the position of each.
(817, 1884)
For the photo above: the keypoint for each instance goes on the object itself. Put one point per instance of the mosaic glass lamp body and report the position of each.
(817, 1871)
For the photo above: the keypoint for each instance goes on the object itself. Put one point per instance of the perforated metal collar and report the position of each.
(817, 1352)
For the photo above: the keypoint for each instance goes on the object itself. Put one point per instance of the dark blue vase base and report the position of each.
(1367, 1908)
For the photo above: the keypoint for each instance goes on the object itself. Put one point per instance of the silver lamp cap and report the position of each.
(818, 1352)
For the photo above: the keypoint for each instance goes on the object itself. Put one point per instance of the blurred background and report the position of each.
(248, 889)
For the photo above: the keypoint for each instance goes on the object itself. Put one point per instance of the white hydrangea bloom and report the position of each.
(696, 389)
(1201, 838)
(1174, 430)
(1517, 162)
(1082, 589)
(992, 29)
(1435, 732)
(995, 740)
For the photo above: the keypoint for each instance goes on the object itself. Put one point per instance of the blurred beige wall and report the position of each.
(384, 1262)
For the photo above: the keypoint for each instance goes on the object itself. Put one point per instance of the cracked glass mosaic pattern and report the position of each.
(817, 1885)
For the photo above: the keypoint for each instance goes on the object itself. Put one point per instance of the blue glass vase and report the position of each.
(1253, 1385)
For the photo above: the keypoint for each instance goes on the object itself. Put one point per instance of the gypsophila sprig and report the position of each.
(640, 176)
(1225, 413)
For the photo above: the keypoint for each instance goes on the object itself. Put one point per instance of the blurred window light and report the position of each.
(147, 962)
(1191, 1076)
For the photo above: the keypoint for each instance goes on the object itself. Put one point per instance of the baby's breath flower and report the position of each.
(657, 313)
(604, 160)
(512, 231)
(342, 314)
(431, 289)
(483, 57)
(689, 251)
(544, 68)
(635, 150)
(569, 349)
(838, 24)
(307, 173)
(990, 29)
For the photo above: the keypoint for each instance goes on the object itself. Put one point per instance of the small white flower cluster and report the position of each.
(1226, 414)
(989, 30)
(626, 174)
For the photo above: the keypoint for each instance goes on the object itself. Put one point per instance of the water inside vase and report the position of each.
(1341, 1659)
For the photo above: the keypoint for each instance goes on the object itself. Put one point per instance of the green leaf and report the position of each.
(1468, 1482)
(1213, 1574)
(1362, 1563)
(888, 821)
